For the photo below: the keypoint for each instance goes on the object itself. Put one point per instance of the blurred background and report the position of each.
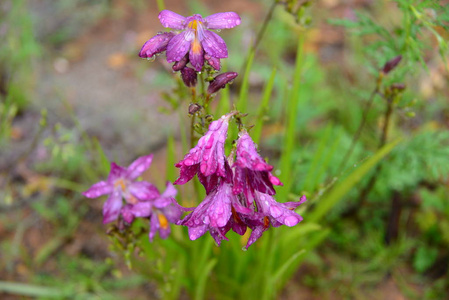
(74, 94)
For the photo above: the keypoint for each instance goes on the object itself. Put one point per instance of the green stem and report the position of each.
(292, 110)
(359, 130)
(160, 5)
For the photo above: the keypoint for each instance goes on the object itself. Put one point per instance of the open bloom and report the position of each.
(195, 38)
(122, 184)
(160, 211)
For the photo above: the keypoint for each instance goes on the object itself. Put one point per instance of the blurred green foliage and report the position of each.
(311, 113)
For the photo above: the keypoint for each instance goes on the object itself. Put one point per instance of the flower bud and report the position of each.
(179, 65)
(189, 76)
(398, 86)
(391, 64)
(220, 82)
(193, 108)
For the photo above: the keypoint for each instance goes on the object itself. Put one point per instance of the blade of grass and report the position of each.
(341, 189)
(292, 108)
(257, 131)
(317, 157)
(30, 290)
(171, 157)
(242, 103)
(201, 282)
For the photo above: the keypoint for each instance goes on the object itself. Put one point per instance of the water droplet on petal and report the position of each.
(244, 249)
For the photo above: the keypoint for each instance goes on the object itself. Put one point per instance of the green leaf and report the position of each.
(30, 290)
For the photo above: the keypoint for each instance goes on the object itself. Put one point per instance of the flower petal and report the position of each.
(213, 61)
(156, 44)
(170, 19)
(98, 189)
(170, 190)
(154, 227)
(143, 190)
(179, 45)
(112, 206)
(197, 231)
(214, 45)
(116, 172)
(186, 172)
(139, 166)
(196, 56)
(223, 20)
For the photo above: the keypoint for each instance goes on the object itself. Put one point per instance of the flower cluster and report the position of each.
(239, 193)
(194, 42)
(132, 199)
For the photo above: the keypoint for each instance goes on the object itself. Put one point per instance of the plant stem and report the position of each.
(264, 27)
(383, 140)
(359, 130)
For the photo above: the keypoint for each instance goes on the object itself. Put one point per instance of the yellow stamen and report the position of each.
(163, 221)
(120, 183)
(193, 25)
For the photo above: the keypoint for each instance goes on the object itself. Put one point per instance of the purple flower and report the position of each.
(161, 211)
(207, 158)
(121, 184)
(156, 44)
(214, 214)
(195, 38)
(251, 172)
(220, 81)
(189, 77)
(271, 212)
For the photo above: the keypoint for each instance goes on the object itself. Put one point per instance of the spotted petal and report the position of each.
(170, 19)
(179, 46)
(223, 20)
(214, 45)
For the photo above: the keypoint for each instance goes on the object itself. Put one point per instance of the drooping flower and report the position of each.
(160, 211)
(207, 158)
(271, 212)
(217, 213)
(121, 184)
(251, 172)
(196, 39)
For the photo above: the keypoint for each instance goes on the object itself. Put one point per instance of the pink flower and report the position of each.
(161, 211)
(214, 214)
(251, 172)
(122, 184)
(194, 40)
(207, 158)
